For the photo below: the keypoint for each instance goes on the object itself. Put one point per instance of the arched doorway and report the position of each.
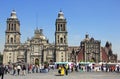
(93, 59)
(36, 61)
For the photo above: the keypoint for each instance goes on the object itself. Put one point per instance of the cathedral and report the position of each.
(36, 50)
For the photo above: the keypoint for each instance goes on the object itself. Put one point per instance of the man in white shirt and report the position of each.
(18, 69)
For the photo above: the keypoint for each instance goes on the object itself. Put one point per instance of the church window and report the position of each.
(9, 53)
(9, 26)
(61, 40)
(58, 27)
(12, 27)
(61, 27)
(11, 40)
(15, 27)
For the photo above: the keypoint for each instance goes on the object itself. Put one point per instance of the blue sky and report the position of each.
(99, 18)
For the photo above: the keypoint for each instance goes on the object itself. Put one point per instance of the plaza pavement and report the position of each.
(75, 75)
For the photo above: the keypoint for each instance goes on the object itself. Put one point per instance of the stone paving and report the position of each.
(75, 75)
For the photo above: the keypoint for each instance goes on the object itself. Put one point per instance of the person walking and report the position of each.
(14, 70)
(66, 69)
(18, 69)
(2, 70)
(59, 70)
(62, 71)
(24, 70)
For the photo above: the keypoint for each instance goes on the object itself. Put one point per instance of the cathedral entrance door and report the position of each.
(93, 59)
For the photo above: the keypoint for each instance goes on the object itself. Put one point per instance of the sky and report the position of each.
(98, 18)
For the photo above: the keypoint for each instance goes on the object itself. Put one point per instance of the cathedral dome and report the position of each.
(42, 37)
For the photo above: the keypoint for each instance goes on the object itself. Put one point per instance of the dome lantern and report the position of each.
(13, 14)
(61, 15)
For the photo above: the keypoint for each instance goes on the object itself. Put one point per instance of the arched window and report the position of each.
(15, 27)
(9, 27)
(11, 40)
(58, 27)
(12, 27)
(61, 40)
(61, 27)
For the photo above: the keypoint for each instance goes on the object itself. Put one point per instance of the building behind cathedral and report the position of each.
(37, 49)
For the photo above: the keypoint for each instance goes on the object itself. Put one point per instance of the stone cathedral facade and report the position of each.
(37, 49)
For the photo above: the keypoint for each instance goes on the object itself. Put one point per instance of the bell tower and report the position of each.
(12, 32)
(61, 43)
(12, 39)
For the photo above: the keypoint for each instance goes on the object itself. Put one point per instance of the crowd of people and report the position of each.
(18, 69)
(22, 69)
(64, 69)
(92, 67)
(104, 67)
